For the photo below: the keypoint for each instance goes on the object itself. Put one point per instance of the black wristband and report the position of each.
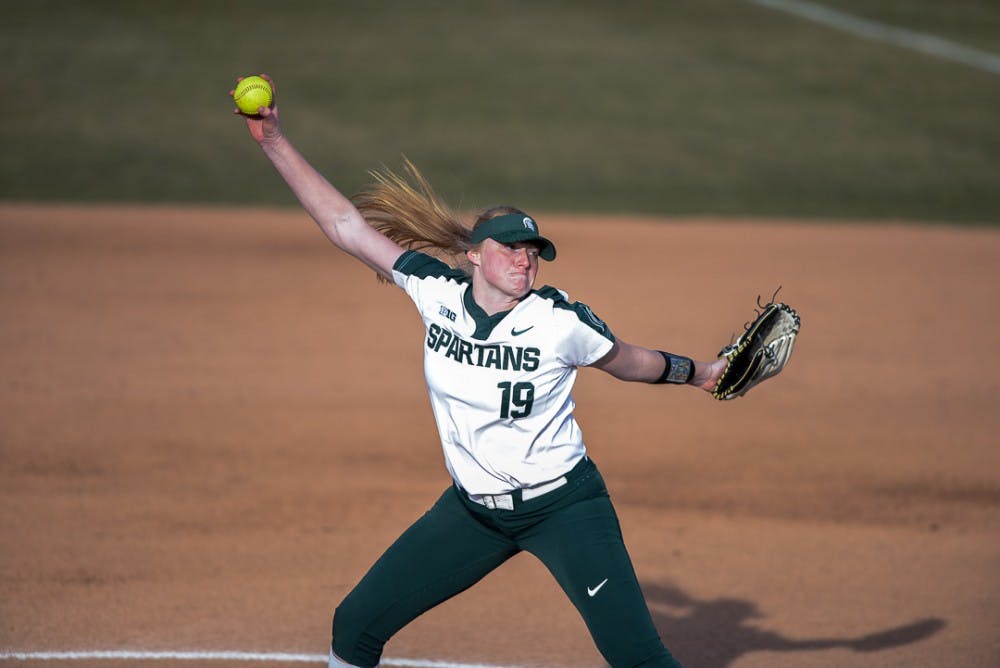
(678, 370)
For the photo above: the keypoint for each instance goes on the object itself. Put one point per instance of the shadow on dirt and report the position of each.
(714, 633)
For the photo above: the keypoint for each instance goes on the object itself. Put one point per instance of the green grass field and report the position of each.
(684, 107)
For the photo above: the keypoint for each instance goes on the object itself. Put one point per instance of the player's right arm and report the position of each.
(340, 221)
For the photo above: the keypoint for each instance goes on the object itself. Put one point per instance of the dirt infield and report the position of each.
(212, 422)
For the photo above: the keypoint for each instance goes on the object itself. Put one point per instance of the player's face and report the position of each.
(508, 268)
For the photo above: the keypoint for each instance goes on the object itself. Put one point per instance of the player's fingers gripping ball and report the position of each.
(252, 93)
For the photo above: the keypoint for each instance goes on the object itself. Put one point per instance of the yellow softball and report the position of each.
(252, 93)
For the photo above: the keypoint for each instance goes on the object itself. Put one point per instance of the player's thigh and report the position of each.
(582, 547)
(443, 553)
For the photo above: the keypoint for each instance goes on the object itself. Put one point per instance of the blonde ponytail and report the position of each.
(407, 210)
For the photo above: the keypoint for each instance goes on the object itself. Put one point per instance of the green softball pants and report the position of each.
(573, 530)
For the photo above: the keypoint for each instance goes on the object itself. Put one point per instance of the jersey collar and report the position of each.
(484, 323)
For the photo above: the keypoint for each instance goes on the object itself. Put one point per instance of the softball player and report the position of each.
(500, 360)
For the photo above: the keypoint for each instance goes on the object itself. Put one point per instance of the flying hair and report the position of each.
(405, 208)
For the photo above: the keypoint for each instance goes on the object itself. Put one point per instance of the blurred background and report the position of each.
(724, 107)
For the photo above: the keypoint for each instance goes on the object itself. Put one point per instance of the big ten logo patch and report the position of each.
(448, 313)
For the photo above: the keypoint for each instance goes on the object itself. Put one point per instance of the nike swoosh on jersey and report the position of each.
(593, 592)
(518, 332)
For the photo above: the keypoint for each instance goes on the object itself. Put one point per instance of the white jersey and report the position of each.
(500, 386)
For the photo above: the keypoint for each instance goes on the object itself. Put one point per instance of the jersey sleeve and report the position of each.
(414, 264)
(412, 269)
(585, 337)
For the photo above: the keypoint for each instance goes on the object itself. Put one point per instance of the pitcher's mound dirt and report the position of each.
(212, 422)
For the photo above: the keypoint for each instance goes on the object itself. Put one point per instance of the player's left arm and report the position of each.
(629, 362)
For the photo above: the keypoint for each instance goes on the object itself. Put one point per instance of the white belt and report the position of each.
(506, 501)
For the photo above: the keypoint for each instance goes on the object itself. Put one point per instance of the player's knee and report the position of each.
(353, 640)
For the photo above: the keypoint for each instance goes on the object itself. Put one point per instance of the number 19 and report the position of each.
(520, 395)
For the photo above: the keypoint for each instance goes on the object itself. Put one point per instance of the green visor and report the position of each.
(514, 227)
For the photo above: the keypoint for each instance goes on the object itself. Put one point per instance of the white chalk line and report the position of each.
(274, 657)
(881, 32)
